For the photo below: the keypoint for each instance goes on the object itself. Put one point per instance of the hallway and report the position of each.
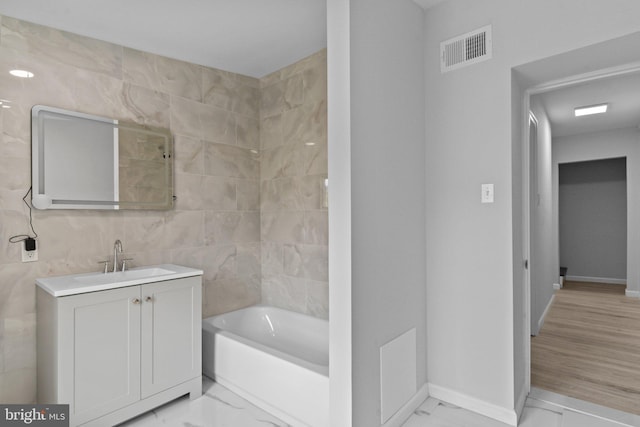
(589, 346)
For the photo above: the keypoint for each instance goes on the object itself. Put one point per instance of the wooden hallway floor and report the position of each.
(589, 346)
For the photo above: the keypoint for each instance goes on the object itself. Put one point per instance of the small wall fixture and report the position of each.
(21, 73)
(591, 109)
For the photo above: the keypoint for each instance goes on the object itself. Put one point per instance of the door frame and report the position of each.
(526, 199)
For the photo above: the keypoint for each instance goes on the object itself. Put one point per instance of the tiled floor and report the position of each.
(219, 407)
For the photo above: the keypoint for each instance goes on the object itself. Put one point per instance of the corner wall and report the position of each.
(474, 352)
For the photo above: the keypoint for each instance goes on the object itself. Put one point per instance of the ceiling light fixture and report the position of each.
(591, 109)
(21, 73)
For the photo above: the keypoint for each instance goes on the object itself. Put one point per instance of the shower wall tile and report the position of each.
(306, 262)
(219, 193)
(294, 224)
(214, 117)
(248, 194)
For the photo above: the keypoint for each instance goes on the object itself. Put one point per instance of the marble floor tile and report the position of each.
(218, 407)
(537, 413)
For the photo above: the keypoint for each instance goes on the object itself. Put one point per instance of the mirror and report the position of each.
(81, 161)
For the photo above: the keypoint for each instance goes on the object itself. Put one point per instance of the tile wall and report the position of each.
(293, 207)
(215, 117)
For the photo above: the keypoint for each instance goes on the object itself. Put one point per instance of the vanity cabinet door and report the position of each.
(100, 351)
(171, 333)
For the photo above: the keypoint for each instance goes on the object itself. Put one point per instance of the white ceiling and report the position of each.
(251, 37)
(622, 93)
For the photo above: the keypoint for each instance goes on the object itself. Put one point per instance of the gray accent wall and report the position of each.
(593, 218)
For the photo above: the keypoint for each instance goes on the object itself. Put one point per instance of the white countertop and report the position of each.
(73, 284)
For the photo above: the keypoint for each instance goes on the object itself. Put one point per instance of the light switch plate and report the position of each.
(487, 193)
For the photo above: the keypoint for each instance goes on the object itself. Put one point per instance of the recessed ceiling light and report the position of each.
(591, 109)
(6, 106)
(21, 73)
(310, 144)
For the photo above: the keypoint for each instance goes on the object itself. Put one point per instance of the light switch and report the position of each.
(487, 193)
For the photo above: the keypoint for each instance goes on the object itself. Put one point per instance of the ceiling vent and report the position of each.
(466, 49)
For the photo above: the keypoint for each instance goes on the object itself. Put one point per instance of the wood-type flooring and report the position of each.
(589, 346)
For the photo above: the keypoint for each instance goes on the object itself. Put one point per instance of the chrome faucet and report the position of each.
(117, 247)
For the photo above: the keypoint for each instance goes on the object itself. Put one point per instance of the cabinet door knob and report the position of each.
(149, 299)
(136, 301)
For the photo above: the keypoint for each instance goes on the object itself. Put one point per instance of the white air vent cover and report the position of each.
(466, 49)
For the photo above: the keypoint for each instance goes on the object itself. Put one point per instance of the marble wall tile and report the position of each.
(294, 224)
(189, 257)
(218, 88)
(283, 226)
(62, 47)
(248, 194)
(162, 74)
(184, 229)
(188, 155)
(272, 100)
(144, 230)
(218, 125)
(219, 193)
(306, 261)
(316, 228)
(225, 295)
(220, 261)
(282, 194)
(272, 255)
(19, 339)
(318, 299)
(232, 227)
(228, 160)
(249, 260)
(284, 292)
(307, 123)
(271, 132)
(18, 387)
(186, 117)
(188, 191)
(248, 132)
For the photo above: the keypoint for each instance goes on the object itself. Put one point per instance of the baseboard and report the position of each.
(545, 312)
(498, 413)
(404, 413)
(522, 399)
(607, 280)
(556, 286)
(634, 294)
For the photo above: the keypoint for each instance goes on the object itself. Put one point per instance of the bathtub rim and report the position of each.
(209, 327)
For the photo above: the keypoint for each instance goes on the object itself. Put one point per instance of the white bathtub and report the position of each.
(274, 358)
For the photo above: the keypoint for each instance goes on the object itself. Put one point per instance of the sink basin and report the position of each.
(120, 276)
(82, 283)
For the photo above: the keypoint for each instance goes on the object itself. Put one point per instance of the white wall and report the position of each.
(544, 267)
(593, 219)
(472, 305)
(607, 145)
(377, 160)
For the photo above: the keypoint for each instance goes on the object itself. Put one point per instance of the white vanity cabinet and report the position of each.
(116, 353)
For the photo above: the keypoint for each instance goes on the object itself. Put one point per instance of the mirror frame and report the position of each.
(39, 198)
